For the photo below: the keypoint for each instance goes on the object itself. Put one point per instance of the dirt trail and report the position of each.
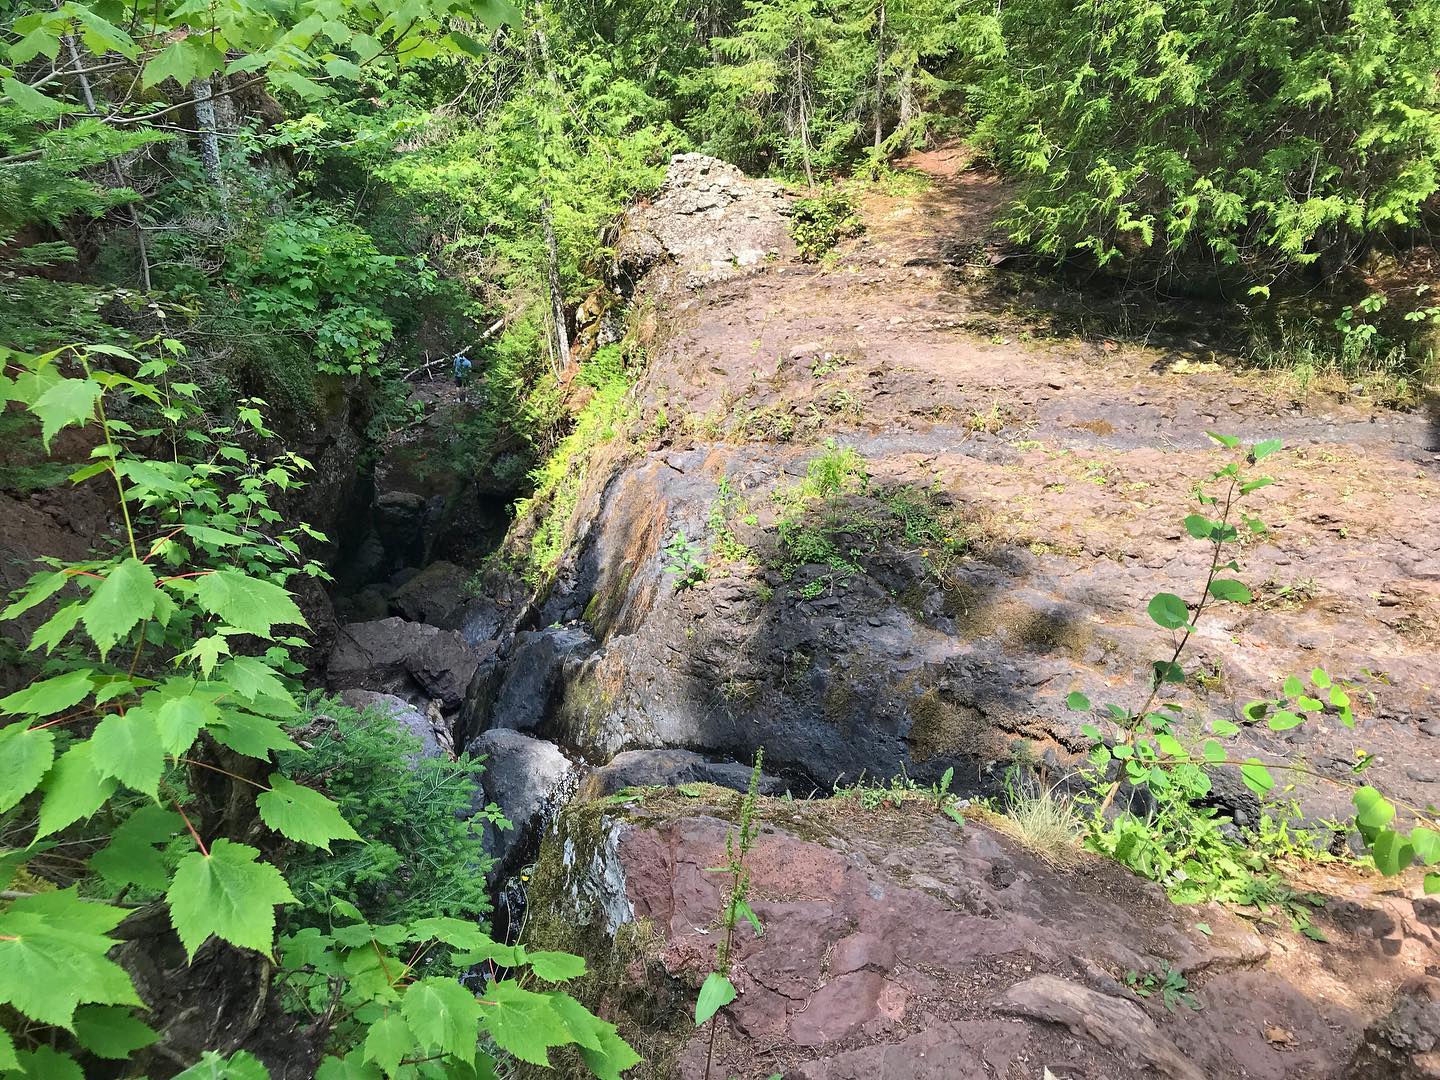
(1072, 459)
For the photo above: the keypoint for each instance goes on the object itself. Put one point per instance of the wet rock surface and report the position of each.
(527, 779)
(898, 944)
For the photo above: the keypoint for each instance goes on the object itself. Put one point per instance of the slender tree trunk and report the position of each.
(879, 73)
(205, 121)
(141, 248)
(561, 359)
(804, 118)
(557, 298)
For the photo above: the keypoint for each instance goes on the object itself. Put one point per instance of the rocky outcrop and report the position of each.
(707, 221)
(434, 741)
(671, 768)
(897, 943)
(1404, 1044)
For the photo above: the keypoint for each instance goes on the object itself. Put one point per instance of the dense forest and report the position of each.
(228, 226)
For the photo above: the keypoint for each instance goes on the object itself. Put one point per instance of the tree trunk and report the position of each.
(141, 249)
(879, 73)
(804, 118)
(205, 121)
(557, 298)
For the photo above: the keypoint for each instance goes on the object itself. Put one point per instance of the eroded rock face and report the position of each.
(1404, 1044)
(671, 768)
(707, 221)
(898, 944)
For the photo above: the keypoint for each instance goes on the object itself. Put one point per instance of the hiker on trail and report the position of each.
(462, 368)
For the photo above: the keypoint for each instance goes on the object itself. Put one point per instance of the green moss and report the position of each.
(1045, 632)
(940, 729)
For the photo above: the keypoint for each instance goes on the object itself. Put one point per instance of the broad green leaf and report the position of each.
(26, 754)
(1432, 884)
(715, 993)
(1372, 810)
(456, 933)
(127, 747)
(1223, 728)
(1256, 484)
(69, 401)
(74, 789)
(388, 1042)
(579, 1021)
(1393, 854)
(1284, 720)
(246, 603)
(32, 102)
(613, 1056)
(125, 598)
(57, 627)
(241, 1065)
(227, 893)
(57, 931)
(1167, 671)
(1293, 686)
(50, 696)
(39, 589)
(133, 857)
(254, 680)
(179, 720)
(1199, 526)
(1077, 701)
(251, 735)
(443, 1015)
(1213, 751)
(1257, 777)
(1320, 678)
(1227, 441)
(184, 60)
(100, 36)
(8, 1060)
(45, 1063)
(352, 1066)
(523, 1023)
(1261, 450)
(1168, 610)
(110, 1031)
(556, 966)
(302, 813)
(1426, 843)
(1227, 589)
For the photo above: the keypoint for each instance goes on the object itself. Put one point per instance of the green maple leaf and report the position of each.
(178, 721)
(8, 1060)
(454, 932)
(37, 590)
(132, 856)
(49, 696)
(109, 1031)
(388, 1041)
(52, 932)
(351, 1067)
(74, 789)
(47, 1064)
(251, 735)
(556, 966)
(246, 603)
(242, 1065)
(443, 1015)
(123, 599)
(128, 747)
(229, 894)
(302, 813)
(523, 1023)
(69, 401)
(26, 754)
(184, 60)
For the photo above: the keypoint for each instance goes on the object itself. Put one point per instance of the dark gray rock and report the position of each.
(527, 779)
(435, 595)
(444, 665)
(409, 717)
(537, 667)
(670, 768)
(402, 521)
(375, 655)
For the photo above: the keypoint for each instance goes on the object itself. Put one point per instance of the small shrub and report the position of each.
(423, 858)
(819, 222)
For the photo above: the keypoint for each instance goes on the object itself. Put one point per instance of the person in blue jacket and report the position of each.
(462, 368)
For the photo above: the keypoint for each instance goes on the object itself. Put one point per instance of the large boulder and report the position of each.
(434, 595)
(1404, 1044)
(522, 693)
(527, 779)
(409, 659)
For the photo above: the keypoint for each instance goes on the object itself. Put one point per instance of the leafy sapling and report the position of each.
(683, 558)
(717, 991)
